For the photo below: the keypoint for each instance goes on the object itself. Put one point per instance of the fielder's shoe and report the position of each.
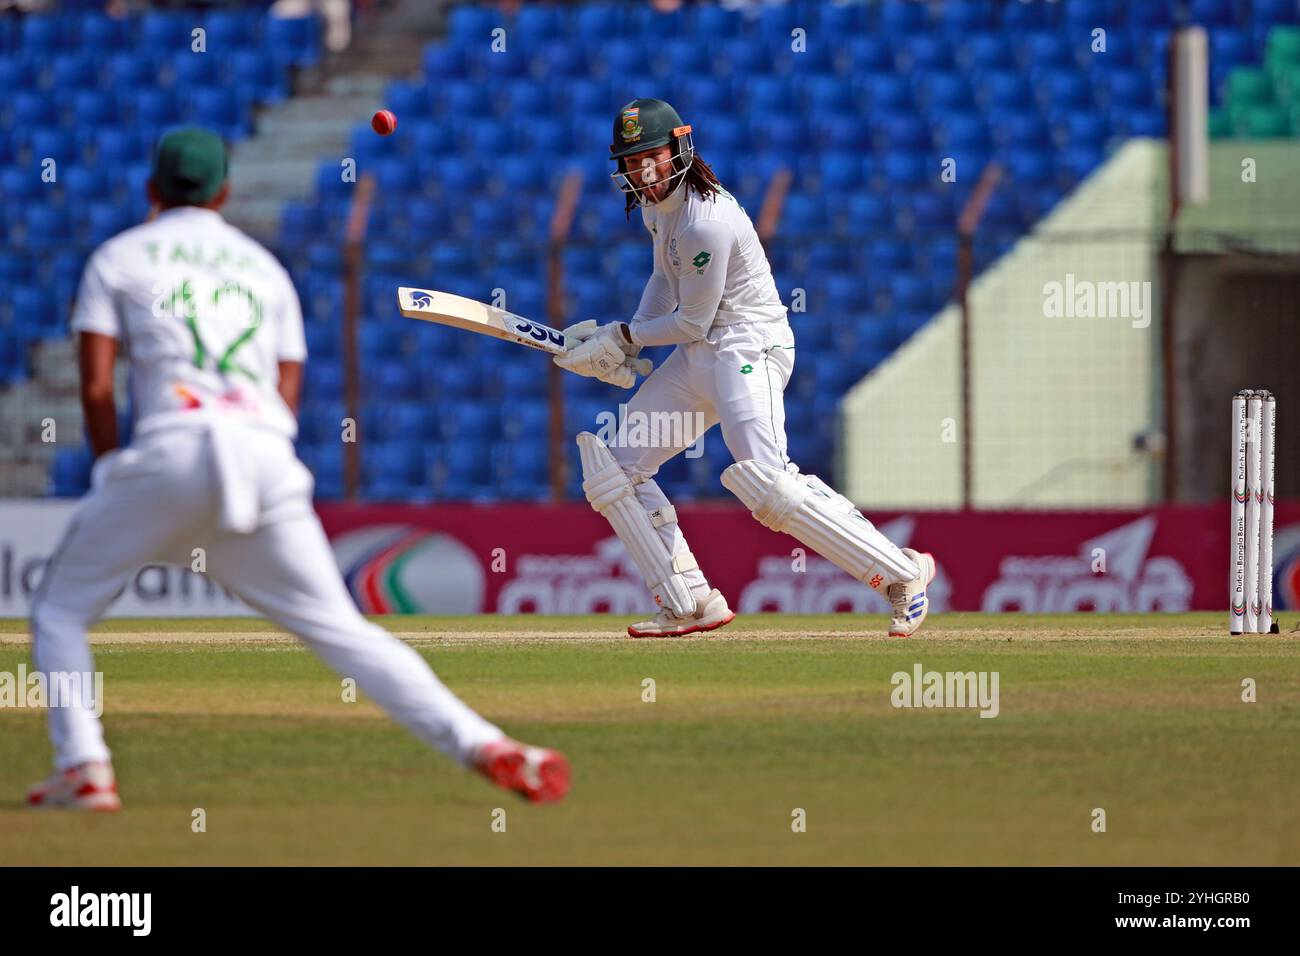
(540, 775)
(711, 612)
(87, 786)
(908, 597)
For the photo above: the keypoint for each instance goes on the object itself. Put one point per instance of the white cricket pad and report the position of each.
(611, 492)
(803, 506)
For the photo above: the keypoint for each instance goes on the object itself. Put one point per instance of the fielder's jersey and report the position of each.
(206, 314)
(708, 265)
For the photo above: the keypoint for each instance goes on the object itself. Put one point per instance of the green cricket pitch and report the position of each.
(1141, 716)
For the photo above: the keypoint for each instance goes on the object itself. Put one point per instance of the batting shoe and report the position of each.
(911, 605)
(87, 786)
(541, 775)
(711, 613)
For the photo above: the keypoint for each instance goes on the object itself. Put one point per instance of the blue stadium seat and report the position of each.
(70, 72)
(540, 24)
(1065, 89)
(101, 33)
(443, 62)
(683, 57)
(843, 133)
(1230, 47)
(36, 309)
(1085, 127)
(190, 69)
(1126, 89)
(986, 51)
(54, 143)
(118, 147)
(464, 468)
(398, 462)
(926, 53)
(1020, 130)
(91, 108)
(868, 54)
(947, 92)
(742, 56)
(134, 70)
(469, 419)
(218, 110)
(715, 21)
(902, 17)
(471, 24)
(325, 382)
(903, 130)
(165, 32)
(70, 472)
(1149, 121)
(294, 40)
(1006, 90)
(1212, 12)
(962, 17)
(44, 35)
(1027, 168)
(17, 73)
(83, 184)
(866, 214)
(45, 228)
(841, 171)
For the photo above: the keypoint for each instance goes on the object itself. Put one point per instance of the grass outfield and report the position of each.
(1140, 715)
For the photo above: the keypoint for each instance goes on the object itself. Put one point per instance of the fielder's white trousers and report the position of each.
(241, 495)
(735, 378)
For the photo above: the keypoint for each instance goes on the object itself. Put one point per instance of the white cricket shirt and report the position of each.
(205, 312)
(709, 266)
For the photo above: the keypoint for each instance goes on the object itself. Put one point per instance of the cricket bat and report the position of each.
(444, 308)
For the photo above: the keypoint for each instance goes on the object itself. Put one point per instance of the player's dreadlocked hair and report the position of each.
(699, 177)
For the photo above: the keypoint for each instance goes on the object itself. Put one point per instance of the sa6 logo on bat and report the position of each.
(539, 332)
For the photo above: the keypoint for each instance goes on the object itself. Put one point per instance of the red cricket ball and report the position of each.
(383, 122)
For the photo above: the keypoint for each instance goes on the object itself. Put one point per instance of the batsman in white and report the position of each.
(216, 350)
(712, 295)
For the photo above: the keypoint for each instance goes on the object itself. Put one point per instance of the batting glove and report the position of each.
(599, 355)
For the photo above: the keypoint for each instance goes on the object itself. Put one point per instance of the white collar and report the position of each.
(198, 211)
(672, 202)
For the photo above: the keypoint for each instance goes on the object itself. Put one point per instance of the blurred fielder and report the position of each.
(712, 295)
(214, 331)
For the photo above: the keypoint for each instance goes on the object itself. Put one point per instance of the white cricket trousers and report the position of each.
(735, 378)
(240, 494)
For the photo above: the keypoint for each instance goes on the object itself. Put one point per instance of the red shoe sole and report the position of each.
(554, 775)
(696, 629)
(507, 770)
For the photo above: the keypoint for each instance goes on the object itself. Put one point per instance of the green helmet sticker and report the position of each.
(631, 130)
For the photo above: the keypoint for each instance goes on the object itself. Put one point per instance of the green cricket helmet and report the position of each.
(648, 124)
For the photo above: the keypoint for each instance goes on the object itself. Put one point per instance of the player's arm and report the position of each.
(290, 344)
(699, 288)
(290, 385)
(657, 299)
(98, 326)
(96, 355)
